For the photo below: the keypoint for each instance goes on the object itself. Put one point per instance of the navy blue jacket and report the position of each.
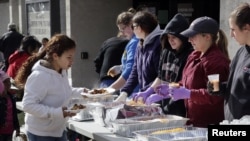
(145, 68)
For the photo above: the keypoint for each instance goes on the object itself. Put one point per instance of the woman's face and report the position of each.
(174, 42)
(126, 30)
(239, 35)
(199, 41)
(64, 61)
(138, 31)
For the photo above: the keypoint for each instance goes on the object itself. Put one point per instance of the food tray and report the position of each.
(85, 114)
(109, 91)
(103, 98)
(99, 109)
(104, 113)
(126, 127)
(186, 133)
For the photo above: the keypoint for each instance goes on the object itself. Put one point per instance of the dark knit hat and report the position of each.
(202, 25)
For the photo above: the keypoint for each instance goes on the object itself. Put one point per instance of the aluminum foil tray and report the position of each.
(100, 109)
(126, 127)
(188, 133)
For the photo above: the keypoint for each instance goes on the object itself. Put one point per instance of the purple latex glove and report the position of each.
(155, 98)
(179, 93)
(144, 95)
(162, 89)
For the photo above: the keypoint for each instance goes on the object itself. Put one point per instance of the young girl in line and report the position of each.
(47, 92)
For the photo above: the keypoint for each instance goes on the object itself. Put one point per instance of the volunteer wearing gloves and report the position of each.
(208, 58)
(175, 50)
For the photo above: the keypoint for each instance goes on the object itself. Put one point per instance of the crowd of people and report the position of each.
(140, 64)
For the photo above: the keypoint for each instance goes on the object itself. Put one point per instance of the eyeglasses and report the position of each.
(133, 26)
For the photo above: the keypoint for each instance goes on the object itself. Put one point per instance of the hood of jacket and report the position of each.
(38, 67)
(175, 26)
(156, 32)
(16, 56)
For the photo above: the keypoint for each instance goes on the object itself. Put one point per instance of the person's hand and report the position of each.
(115, 70)
(85, 90)
(179, 93)
(17, 132)
(67, 113)
(210, 89)
(155, 98)
(143, 95)
(122, 97)
(162, 89)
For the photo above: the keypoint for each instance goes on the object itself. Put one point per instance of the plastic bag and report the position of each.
(20, 137)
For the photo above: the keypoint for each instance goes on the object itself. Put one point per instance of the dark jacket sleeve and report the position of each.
(15, 118)
(99, 59)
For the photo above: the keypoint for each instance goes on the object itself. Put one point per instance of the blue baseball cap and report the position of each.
(201, 25)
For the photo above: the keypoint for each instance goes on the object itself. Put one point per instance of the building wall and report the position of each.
(91, 22)
(5, 16)
(226, 7)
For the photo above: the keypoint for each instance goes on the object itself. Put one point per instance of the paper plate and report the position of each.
(74, 111)
(107, 92)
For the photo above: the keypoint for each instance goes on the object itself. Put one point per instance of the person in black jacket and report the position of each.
(236, 90)
(110, 55)
(9, 42)
(8, 112)
(175, 51)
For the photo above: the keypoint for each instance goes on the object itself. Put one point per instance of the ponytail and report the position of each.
(222, 43)
(26, 68)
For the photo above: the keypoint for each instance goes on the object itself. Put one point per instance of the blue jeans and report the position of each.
(32, 137)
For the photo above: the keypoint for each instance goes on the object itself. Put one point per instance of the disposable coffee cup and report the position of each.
(214, 80)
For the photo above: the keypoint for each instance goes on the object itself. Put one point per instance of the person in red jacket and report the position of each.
(29, 46)
(209, 57)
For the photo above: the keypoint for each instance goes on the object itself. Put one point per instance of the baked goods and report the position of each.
(173, 130)
(98, 91)
(139, 102)
(162, 120)
(78, 107)
(174, 85)
(111, 73)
